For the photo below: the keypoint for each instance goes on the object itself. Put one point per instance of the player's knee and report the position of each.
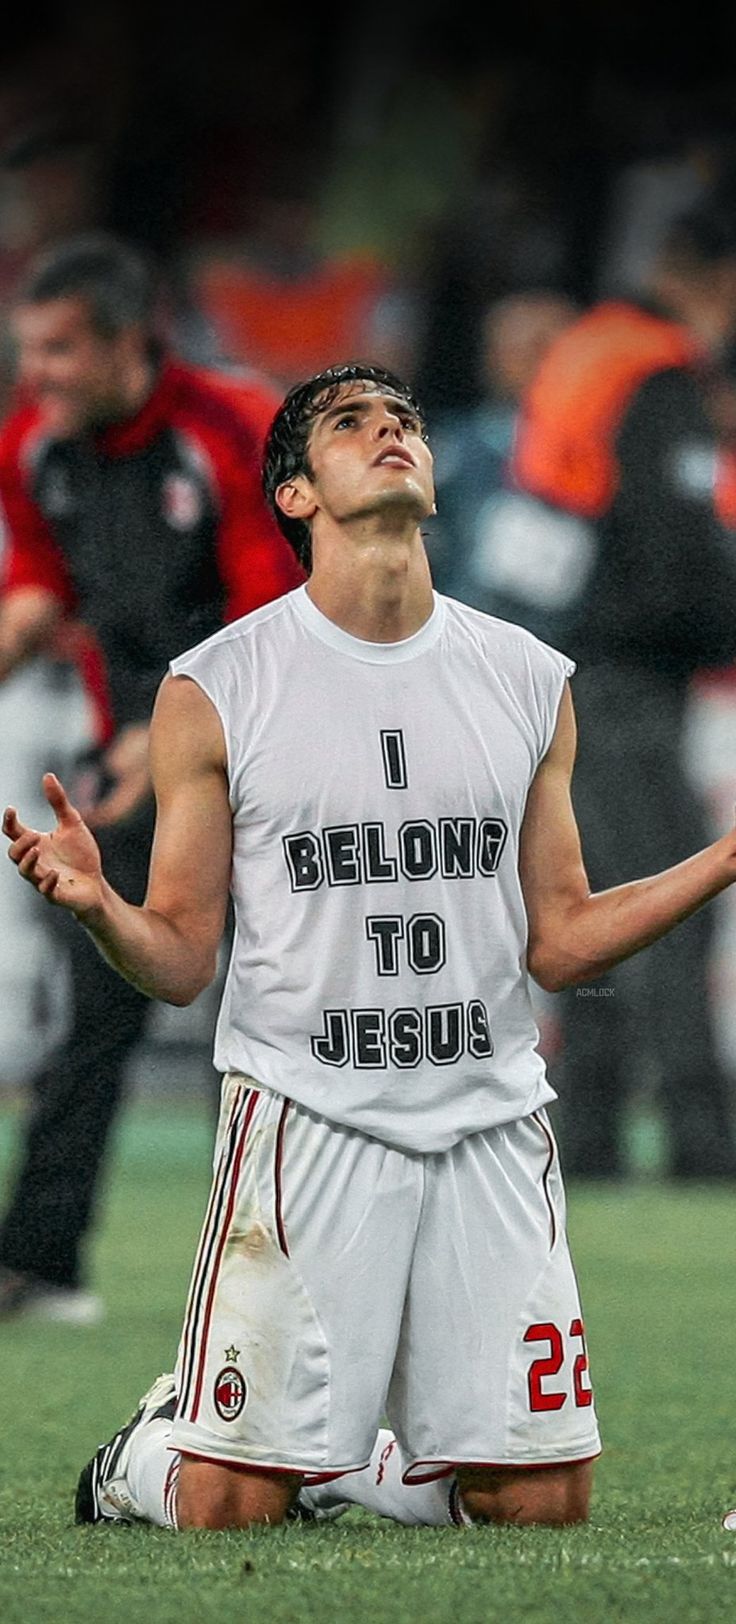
(218, 1497)
(552, 1496)
(224, 1513)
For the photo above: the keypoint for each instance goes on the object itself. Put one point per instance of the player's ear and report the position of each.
(296, 499)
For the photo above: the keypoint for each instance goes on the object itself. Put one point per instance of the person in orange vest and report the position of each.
(610, 543)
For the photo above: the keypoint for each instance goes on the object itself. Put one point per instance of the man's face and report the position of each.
(73, 374)
(367, 456)
(518, 333)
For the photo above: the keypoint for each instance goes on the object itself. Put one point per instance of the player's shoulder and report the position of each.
(504, 642)
(238, 637)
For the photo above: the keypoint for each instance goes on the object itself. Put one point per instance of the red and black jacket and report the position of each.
(151, 533)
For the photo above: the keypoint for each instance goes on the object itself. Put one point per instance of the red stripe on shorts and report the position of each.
(252, 1103)
(204, 1250)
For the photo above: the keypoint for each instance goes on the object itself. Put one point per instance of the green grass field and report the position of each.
(656, 1267)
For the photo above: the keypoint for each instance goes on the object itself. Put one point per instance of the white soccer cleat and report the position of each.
(102, 1493)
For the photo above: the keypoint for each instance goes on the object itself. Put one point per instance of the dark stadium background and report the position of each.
(464, 156)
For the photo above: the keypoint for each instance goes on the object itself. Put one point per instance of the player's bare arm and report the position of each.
(168, 947)
(575, 934)
(28, 618)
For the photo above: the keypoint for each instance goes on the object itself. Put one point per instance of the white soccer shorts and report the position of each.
(339, 1282)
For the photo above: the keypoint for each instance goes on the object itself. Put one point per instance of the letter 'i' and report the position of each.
(394, 758)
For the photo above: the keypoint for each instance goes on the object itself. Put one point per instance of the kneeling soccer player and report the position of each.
(381, 778)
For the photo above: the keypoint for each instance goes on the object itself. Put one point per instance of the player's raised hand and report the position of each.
(64, 865)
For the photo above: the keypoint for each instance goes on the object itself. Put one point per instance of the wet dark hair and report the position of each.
(117, 281)
(286, 450)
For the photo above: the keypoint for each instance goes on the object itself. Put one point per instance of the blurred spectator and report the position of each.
(130, 483)
(472, 448)
(276, 300)
(610, 548)
(49, 189)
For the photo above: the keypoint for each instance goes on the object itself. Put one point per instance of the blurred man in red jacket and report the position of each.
(130, 484)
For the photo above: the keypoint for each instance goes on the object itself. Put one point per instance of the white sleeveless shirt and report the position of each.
(378, 969)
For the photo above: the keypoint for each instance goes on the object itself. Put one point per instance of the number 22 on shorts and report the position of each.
(551, 1365)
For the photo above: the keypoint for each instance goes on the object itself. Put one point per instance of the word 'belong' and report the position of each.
(366, 854)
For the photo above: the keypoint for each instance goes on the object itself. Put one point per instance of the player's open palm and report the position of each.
(64, 864)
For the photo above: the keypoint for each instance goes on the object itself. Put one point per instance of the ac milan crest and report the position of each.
(230, 1393)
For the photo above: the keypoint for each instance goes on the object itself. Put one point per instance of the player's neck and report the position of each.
(138, 384)
(380, 594)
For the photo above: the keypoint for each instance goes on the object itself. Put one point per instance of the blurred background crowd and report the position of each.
(444, 197)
